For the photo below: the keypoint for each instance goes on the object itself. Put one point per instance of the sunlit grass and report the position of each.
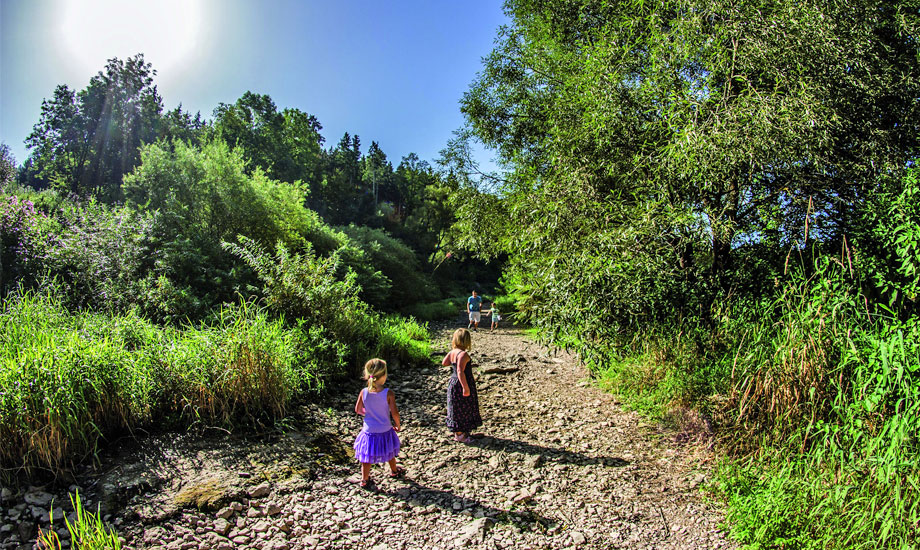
(87, 532)
(69, 381)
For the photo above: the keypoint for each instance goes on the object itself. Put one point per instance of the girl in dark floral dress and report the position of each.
(462, 400)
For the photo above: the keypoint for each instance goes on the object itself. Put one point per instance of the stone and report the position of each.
(222, 526)
(260, 491)
(475, 530)
(261, 527)
(272, 509)
(208, 493)
(533, 461)
(38, 498)
(577, 538)
(224, 513)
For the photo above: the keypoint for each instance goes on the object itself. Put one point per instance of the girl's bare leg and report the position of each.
(365, 471)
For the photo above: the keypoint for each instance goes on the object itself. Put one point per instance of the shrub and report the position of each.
(435, 311)
(398, 263)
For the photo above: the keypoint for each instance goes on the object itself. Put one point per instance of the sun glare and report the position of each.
(168, 32)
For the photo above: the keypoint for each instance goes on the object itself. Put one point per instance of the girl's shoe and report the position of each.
(463, 438)
(400, 472)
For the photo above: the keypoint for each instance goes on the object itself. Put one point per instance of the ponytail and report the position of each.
(374, 370)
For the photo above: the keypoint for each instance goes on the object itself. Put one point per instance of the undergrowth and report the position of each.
(817, 403)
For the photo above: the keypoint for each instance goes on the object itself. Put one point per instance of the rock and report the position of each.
(272, 509)
(126, 481)
(533, 461)
(697, 480)
(497, 369)
(577, 538)
(260, 527)
(522, 496)
(26, 530)
(222, 526)
(57, 515)
(206, 494)
(38, 498)
(260, 491)
(5, 494)
(475, 530)
(39, 514)
(224, 513)
(154, 536)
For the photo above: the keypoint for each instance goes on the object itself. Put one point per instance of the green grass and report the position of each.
(69, 381)
(87, 532)
(817, 404)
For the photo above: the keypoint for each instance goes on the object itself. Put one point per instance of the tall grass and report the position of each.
(70, 380)
(818, 403)
(87, 532)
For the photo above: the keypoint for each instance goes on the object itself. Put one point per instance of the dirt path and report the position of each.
(560, 466)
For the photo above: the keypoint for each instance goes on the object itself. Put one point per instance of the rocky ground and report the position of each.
(559, 465)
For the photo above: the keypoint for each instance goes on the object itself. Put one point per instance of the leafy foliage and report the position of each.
(714, 204)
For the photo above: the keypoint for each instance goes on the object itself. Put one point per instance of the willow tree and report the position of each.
(687, 127)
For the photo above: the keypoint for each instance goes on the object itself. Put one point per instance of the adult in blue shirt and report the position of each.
(473, 305)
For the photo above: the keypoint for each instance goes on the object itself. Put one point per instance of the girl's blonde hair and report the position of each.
(462, 339)
(374, 370)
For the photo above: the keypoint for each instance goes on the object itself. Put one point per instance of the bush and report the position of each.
(435, 311)
(398, 263)
(304, 289)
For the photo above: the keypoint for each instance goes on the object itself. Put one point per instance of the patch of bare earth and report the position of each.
(559, 465)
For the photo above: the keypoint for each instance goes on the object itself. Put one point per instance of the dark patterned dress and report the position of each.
(462, 412)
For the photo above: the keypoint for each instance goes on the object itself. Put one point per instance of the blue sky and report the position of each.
(392, 72)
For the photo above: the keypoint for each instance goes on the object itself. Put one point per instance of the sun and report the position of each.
(168, 32)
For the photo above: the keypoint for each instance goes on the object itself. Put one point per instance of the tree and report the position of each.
(85, 142)
(7, 165)
(724, 107)
(286, 145)
(179, 125)
(716, 119)
(377, 170)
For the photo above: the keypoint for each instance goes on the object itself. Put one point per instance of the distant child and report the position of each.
(496, 317)
(462, 399)
(377, 443)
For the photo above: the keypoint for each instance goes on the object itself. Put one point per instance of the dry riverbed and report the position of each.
(559, 465)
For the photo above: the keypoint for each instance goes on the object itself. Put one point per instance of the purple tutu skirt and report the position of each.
(374, 448)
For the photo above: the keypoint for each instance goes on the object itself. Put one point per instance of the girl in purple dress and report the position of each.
(377, 443)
